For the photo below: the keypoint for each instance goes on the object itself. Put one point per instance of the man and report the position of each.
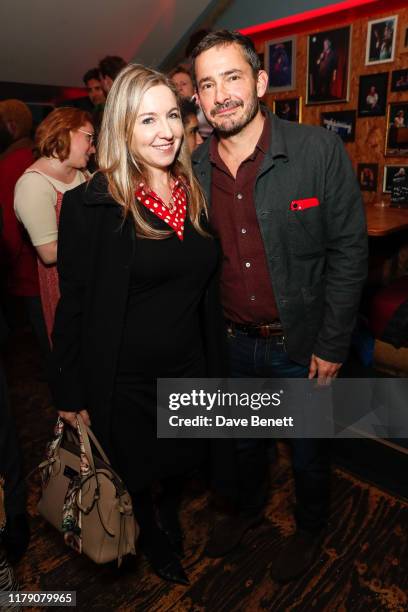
(183, 82)
(287, 208)
(188, 111)
(94, 87)
(109, 68)
(327, 69)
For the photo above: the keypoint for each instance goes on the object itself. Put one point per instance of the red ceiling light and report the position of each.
(294, 20)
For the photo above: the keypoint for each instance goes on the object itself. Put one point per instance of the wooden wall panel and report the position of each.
(369, 143)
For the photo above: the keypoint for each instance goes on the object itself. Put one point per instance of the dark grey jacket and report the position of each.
(317, 257)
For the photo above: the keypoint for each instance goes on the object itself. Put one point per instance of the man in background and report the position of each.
(188, 109)
(109, 68)
(94, 87)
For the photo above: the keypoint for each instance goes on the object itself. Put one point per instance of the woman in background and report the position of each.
(64, 142)
(136, 264)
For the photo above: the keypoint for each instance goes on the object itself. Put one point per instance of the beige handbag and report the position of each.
(84, 498)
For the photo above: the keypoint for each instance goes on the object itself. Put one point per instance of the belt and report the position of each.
(257, 330)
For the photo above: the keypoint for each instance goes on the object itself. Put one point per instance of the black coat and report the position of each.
(95, 251)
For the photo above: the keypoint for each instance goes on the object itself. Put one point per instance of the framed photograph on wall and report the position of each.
(381, 37)
(289, 109)
(328, 64)
(397, 130)
(405, 41)
(393, 172)
(341, 122)
(367, 175)
(372, 95)
(280, 64)
(399, 80)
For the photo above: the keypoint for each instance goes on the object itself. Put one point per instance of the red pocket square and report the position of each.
(304, 203)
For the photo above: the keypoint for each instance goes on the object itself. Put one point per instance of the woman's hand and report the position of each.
(70, 417)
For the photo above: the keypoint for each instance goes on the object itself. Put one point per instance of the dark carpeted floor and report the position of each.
(363, 566)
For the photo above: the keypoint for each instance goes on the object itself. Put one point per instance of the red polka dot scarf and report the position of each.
(174, 213)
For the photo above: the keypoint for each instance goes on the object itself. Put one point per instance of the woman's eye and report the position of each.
(147, 120)
(175, 115)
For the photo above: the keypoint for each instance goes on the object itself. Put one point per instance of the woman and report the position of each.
(135, 262)
(64, 142)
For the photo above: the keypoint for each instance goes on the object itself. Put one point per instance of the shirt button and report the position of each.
(239, 196)
(243, 230)
(252, 298)
(247, 264)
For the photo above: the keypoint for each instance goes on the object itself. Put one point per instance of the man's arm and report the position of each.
(346, 259)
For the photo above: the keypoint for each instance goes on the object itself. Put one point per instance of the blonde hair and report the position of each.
(118, 162)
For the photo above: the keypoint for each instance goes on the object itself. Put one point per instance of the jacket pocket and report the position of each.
(306, 232)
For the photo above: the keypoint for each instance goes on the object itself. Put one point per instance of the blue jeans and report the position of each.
(267, 358)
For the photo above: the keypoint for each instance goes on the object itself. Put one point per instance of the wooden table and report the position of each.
(384, 220)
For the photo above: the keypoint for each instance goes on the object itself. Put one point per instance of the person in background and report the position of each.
(109, 68)
(138, 276)
(17, 255)
(181, 78)
(64, 142)
(372, 98)
(188, 109)
(286, 206)
(94, 87)
(182, 81)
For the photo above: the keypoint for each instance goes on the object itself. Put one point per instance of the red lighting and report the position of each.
(301, 18)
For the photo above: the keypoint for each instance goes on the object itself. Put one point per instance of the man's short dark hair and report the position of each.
(187, 108)
(226, 37)
(93, 73)
(111, 65)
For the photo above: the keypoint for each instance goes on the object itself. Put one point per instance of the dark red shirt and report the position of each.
(17, 254)
(246, 289)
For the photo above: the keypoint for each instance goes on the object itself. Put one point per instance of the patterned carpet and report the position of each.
(363, 566)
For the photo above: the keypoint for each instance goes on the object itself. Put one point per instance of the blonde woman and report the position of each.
(135, 262)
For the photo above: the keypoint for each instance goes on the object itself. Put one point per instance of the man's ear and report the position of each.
(261, 83)
(196, 99)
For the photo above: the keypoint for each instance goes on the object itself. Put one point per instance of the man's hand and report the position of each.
(325, 370)
(70, 417)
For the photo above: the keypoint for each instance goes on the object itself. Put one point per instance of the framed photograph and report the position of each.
(280, 64)
(399, 173)
(397, 130)
(341, 122)
(367, 175)
(372, 95)
(290, 109)
(381, 37)
(405, 41)
(399, 80)
(328, 64)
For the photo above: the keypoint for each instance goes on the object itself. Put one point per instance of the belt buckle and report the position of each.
(265, 330)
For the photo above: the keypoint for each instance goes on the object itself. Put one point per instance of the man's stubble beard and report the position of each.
(238, 125)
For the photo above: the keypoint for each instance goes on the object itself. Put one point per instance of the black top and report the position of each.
(161, 334)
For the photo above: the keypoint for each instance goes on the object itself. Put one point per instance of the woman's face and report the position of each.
(158, 131)
(82, 146)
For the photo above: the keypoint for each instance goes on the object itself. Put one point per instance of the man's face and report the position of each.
(184, 84)
(191, 133)
(95, 92)
(228, 91)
